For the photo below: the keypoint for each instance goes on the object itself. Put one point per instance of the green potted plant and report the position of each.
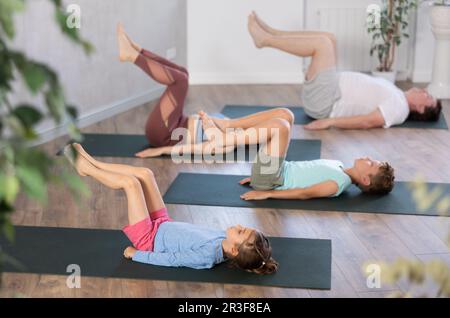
(388, 27)
(440, 25)
(24, 168)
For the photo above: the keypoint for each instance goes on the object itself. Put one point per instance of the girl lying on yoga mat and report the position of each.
(347, 100)
(160, 241)
(274, 177)
(168, 113)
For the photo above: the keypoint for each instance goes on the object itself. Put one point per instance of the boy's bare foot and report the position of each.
(81, 164)
(264, 25)
(221, 123)
(212, 132)
(126, 50)
(259, 35)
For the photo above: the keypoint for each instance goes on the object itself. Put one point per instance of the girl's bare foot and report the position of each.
(126, 50)
(79, 148)
(258, 34)
(81, 164)
(264, 25)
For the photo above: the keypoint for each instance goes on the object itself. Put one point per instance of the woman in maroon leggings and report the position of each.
(168, 113)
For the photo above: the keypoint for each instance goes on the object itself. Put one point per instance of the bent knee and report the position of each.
(282, 125)
(130, 182)
(287, 114)
(145, 173)
(327, 43)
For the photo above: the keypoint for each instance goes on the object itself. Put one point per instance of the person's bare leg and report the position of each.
(274, 31)
(145, 176)
(320, 48)
(137, 207)
(127, 53)
(255, 119)
(276, 130)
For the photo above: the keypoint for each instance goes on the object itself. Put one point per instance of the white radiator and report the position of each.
(346, 19)
(353, 42)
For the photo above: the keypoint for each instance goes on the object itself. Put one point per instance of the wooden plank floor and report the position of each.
(357, 238)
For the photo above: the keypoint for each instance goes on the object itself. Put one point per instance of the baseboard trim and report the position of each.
(48, 134)
(246, 78)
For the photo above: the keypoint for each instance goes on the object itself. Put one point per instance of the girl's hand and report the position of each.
(255, 195)
(320, 124)
(129, 252)
(245, 181)
(150, 152)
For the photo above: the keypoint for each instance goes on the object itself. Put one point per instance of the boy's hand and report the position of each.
(320, 124)
(245, 180)
(255, 195)
(129, 252)
(150, 153)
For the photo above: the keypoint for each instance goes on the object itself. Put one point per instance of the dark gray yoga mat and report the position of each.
(224, 190)
(110, 145)
(235, 111)
(304, 263)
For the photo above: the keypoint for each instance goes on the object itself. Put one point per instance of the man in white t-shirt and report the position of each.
(347, 100)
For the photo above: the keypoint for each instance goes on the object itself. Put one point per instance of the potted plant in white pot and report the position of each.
(388, 28)
(440, 25)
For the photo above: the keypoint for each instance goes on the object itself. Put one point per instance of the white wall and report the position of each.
(100, 85)
(220, 50)
(424, 46)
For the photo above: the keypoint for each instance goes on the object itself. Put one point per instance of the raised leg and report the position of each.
(255, 119)
(320, 48)
(274, 31)
(137, 207)
(145, 177)
(273, 133)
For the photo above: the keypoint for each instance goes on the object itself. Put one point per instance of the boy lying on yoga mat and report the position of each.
(347, 100)
(274, 177)
(168, 115)
(157, 239)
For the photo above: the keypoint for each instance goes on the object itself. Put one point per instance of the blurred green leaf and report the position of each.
(7, 10)
(33, 182)
(9, 188)
(55, 103)
(8, 229)
(28, 115)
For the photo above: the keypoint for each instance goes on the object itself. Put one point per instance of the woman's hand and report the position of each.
(255, 195)
(320, 124)
(150, 153)
(245, 180)
(129, 252)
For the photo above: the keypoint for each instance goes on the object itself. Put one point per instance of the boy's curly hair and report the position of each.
(382, 182)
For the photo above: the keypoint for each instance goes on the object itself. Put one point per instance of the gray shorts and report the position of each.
(320, 93)
(267, 172)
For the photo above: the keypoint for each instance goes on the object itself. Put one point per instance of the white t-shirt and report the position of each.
(362, 94)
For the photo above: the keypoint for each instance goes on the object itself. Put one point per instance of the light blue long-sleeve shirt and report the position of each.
(180, 244)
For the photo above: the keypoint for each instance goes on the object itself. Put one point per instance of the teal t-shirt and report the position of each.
(303, 174)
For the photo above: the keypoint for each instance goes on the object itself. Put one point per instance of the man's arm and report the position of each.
(320, 190)
(373, 120)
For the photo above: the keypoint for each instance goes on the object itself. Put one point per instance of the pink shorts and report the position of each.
(142, 234)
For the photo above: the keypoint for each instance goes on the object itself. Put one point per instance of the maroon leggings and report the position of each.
(168, 113)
